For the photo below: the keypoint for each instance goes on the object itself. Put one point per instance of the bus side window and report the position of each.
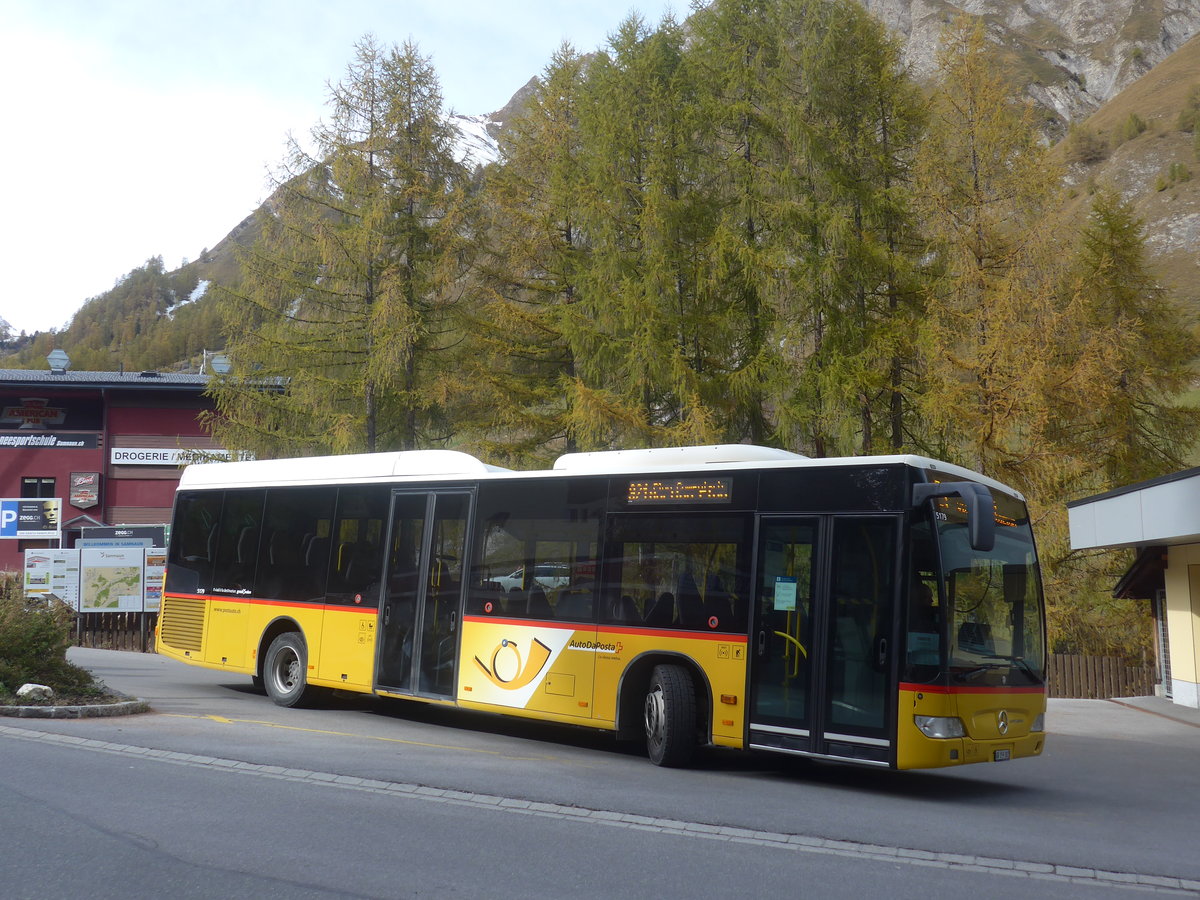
(291, 522)
(538, 549)
(194, 542)
(237, 546)
(689, 573)
(357, 562)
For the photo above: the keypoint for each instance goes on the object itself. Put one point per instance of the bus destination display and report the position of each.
(680, 490)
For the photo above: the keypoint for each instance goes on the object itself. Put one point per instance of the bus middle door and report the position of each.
(419, 616)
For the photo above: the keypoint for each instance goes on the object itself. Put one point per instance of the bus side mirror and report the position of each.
(981, 517)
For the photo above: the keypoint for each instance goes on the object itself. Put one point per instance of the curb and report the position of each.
(92, 711)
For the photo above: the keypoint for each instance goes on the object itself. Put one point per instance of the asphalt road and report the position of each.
(219, 793)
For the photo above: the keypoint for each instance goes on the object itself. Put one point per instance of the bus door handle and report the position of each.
(762, 643)
(387, 613)
(453, 619)
(881, 648)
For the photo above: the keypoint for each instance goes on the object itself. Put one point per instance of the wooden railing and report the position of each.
(1098, 677)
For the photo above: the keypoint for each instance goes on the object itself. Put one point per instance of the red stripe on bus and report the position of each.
(612, 629)
(965, 689)
(540, 623)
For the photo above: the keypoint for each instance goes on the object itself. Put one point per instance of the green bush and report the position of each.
(1084, 146)
(1129, 129)
(1189, 116)
(34, 636)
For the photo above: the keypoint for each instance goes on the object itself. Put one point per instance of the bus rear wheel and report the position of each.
(670, 717)
(285, 670)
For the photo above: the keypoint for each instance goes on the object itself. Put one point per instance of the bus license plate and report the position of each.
(1002, 755)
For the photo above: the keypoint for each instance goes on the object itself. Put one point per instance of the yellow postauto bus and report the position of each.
(885, 611)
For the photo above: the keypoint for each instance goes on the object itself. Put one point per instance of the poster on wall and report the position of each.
(53, 573)
(110, 579)
(26, 519)
(155, 574)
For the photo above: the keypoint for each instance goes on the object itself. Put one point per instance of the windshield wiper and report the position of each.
(974, 673)
(1009, 661)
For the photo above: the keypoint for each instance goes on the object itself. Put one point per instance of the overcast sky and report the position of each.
(141, 128)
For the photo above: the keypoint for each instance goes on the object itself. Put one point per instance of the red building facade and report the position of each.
(109, 444)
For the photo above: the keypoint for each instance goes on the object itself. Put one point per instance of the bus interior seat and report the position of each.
(717, 602)
(691, 607)
(574, 604)
(662, 613)
(976, 636)
(247, 545)
(625, 611)
(485, 593)
(316, 556)
(539, 605)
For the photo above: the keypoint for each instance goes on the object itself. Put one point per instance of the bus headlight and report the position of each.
(940, 726)
(1039, 723)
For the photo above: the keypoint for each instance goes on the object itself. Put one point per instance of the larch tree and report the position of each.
(339, 331)
(528, 270)
(851, 119)
(736, 51)
(643, 333)
(1132, 355)
(985, 188)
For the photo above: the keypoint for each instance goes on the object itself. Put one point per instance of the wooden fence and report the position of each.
(116, 631)
(1098, 677)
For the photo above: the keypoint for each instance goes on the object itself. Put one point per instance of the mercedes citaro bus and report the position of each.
(885, 611)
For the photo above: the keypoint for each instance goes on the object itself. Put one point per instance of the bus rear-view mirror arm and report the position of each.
(981, 518)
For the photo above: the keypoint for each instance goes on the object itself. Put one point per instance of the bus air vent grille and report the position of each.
(182, 623)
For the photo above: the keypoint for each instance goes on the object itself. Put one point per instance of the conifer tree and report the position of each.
(1131, 352)
(851, 119)
(985, 187)
(736, 51)
(347, 296)
(526, 366)
(646, 337)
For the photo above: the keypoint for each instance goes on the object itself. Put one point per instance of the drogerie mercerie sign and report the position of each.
(163, 456)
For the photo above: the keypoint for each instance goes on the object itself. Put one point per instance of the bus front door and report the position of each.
(418, 630)
(820, 680)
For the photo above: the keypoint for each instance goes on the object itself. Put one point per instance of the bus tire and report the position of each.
(670, 717)
(285, 670)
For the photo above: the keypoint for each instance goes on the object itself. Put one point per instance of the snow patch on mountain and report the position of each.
(198, 291)
(475, 145)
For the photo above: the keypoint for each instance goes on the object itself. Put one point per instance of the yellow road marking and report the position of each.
(346, 734)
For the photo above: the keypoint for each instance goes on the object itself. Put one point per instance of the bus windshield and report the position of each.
(993, 600)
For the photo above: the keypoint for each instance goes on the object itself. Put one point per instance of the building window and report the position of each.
(37, 487)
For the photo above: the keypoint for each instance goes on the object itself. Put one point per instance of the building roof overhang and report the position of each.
(1161, 512)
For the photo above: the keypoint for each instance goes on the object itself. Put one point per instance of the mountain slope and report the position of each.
(1159, 170)
(1074, 55)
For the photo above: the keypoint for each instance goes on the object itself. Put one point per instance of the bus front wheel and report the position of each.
(285, 670)
(670, 717)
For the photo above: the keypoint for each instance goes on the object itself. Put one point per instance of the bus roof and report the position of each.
(422, 465)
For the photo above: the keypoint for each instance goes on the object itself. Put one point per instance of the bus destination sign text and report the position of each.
(680, 490)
